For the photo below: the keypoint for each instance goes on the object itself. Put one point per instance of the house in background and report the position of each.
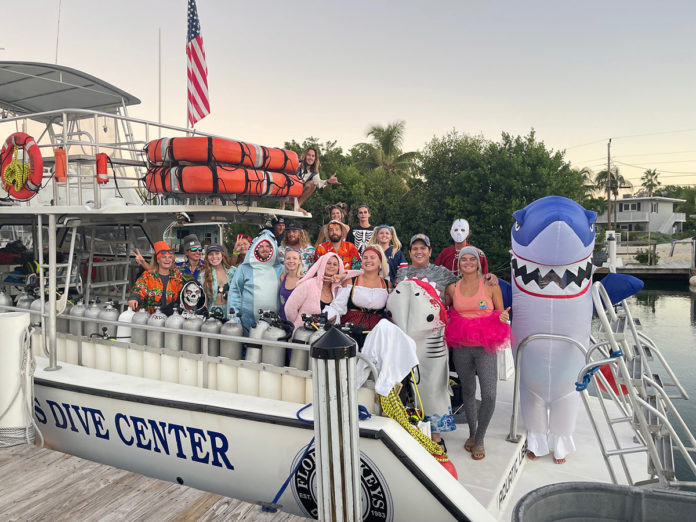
(645, 213)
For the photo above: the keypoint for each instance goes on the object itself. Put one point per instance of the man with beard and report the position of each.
(360, 235)
(256, 282)
(296, 237)
(345, 250)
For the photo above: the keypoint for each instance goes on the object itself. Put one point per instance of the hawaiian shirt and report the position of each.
(148, 289)
(348, 254)
(185, 269)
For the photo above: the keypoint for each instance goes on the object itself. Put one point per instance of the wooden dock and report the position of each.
(41, 484)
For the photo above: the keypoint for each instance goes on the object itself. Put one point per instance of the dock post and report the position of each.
(611, 249)
(336, 427)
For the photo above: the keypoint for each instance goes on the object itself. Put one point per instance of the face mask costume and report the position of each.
(552, 244)
(459, 230)
(192, 298)
(256, 281)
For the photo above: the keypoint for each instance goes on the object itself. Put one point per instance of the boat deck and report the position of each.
(41, 484)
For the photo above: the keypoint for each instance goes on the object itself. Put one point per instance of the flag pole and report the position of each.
(159, 86)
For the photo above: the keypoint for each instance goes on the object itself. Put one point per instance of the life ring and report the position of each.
(19, 180)
(206, 150)
(219, 179)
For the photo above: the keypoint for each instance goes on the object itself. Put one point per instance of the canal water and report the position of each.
(667, 312)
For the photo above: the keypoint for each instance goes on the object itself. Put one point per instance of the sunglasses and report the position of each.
(165, 253)
(196, 249)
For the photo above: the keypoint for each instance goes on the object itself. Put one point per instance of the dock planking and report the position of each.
(42, 484)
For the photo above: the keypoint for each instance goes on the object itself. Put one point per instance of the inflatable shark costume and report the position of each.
(552, 244)
(256, 282)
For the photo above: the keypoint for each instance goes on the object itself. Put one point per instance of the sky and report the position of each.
(578, 73)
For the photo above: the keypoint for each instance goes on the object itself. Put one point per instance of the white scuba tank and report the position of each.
(76, 324)
(139, 335)
(108, 313)
(155, 338)
(212, 325)
(173, 340)
(231, 349)
(123, 333)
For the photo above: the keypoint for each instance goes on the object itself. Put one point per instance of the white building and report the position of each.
(654, 214)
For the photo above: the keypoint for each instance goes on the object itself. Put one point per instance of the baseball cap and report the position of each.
(214, 247)
(294, 226)
(420, 237)
(279, 220)
(162, 246)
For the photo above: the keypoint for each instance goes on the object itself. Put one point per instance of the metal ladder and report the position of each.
(641, 401)
(113, 280)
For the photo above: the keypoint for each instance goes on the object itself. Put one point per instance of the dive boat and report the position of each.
(193, 411)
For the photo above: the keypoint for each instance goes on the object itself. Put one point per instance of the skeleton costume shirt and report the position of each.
(360, 237)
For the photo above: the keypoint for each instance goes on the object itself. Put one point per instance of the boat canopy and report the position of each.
(32, 87)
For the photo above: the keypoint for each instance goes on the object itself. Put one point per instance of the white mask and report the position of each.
(459, 230)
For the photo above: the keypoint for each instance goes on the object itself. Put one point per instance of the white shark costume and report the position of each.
(552, 244)
(256, 283)
(418, 311)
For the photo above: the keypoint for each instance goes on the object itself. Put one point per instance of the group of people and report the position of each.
(349, 276)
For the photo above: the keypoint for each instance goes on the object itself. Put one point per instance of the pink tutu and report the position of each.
(486, 331)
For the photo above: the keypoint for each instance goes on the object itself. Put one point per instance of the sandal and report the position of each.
(470, 443)
(478, 452)
(441, 442)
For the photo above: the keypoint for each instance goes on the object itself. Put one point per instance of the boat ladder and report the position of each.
(113, 268)
(637, 397)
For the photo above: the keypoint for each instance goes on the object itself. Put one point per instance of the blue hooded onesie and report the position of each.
(256, 283)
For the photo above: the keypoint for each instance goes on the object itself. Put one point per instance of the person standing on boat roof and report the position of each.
(449, 255)
(345, 250)
(257, 281)
(360, 235)
(191, 268)
(215, 278)
(159, 286)
(385, 236)
(296, 237)
(308, 172)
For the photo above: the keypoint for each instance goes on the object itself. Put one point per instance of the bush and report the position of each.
(647, 257)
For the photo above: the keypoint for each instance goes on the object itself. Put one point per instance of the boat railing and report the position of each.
(82, 134)
(513, 435)
(638, 394)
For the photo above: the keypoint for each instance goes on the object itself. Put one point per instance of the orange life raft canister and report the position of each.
(200, 149)
(21, 181)
(219, 179)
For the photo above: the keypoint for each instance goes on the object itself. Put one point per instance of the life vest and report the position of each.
(21, 181)
(201, 149)
(218, 179)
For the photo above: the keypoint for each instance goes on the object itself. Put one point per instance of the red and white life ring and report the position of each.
(10, 167)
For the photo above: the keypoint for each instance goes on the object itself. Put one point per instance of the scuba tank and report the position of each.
(108, 313)
(154, 338)
(312, 330)
(277, 331)
(62, 321)
(123, 333)
(35, 308)
(253, 351)
(173, 340)
(92, 327)
(24, 300)
(231, 349)
(77, 311)
(139, 335)
(5, 300)
(212, 325)
(192, 343)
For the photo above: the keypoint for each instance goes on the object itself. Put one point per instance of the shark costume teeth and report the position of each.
(551, 281)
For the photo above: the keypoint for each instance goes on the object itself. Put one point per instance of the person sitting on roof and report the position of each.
(160, 286)
(191, 268)
(346, 251)
(308, 172)
(257, 281)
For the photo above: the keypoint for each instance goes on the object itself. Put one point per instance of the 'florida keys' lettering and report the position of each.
(184, 442)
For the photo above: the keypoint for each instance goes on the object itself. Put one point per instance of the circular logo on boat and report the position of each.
(375, 497)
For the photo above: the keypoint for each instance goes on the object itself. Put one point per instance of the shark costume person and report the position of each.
(257, 280)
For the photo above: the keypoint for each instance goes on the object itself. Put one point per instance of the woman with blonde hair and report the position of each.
(292, 273)
(385, 236)
(215, 278)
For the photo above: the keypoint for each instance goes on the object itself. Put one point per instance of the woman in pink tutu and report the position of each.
(477, 328)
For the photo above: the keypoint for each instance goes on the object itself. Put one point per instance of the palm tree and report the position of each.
(650, 181)
(614, 180)
(384, 151)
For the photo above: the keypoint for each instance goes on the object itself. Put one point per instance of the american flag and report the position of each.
(197, 70)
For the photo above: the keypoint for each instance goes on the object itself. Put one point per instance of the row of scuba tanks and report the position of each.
(269, 327)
